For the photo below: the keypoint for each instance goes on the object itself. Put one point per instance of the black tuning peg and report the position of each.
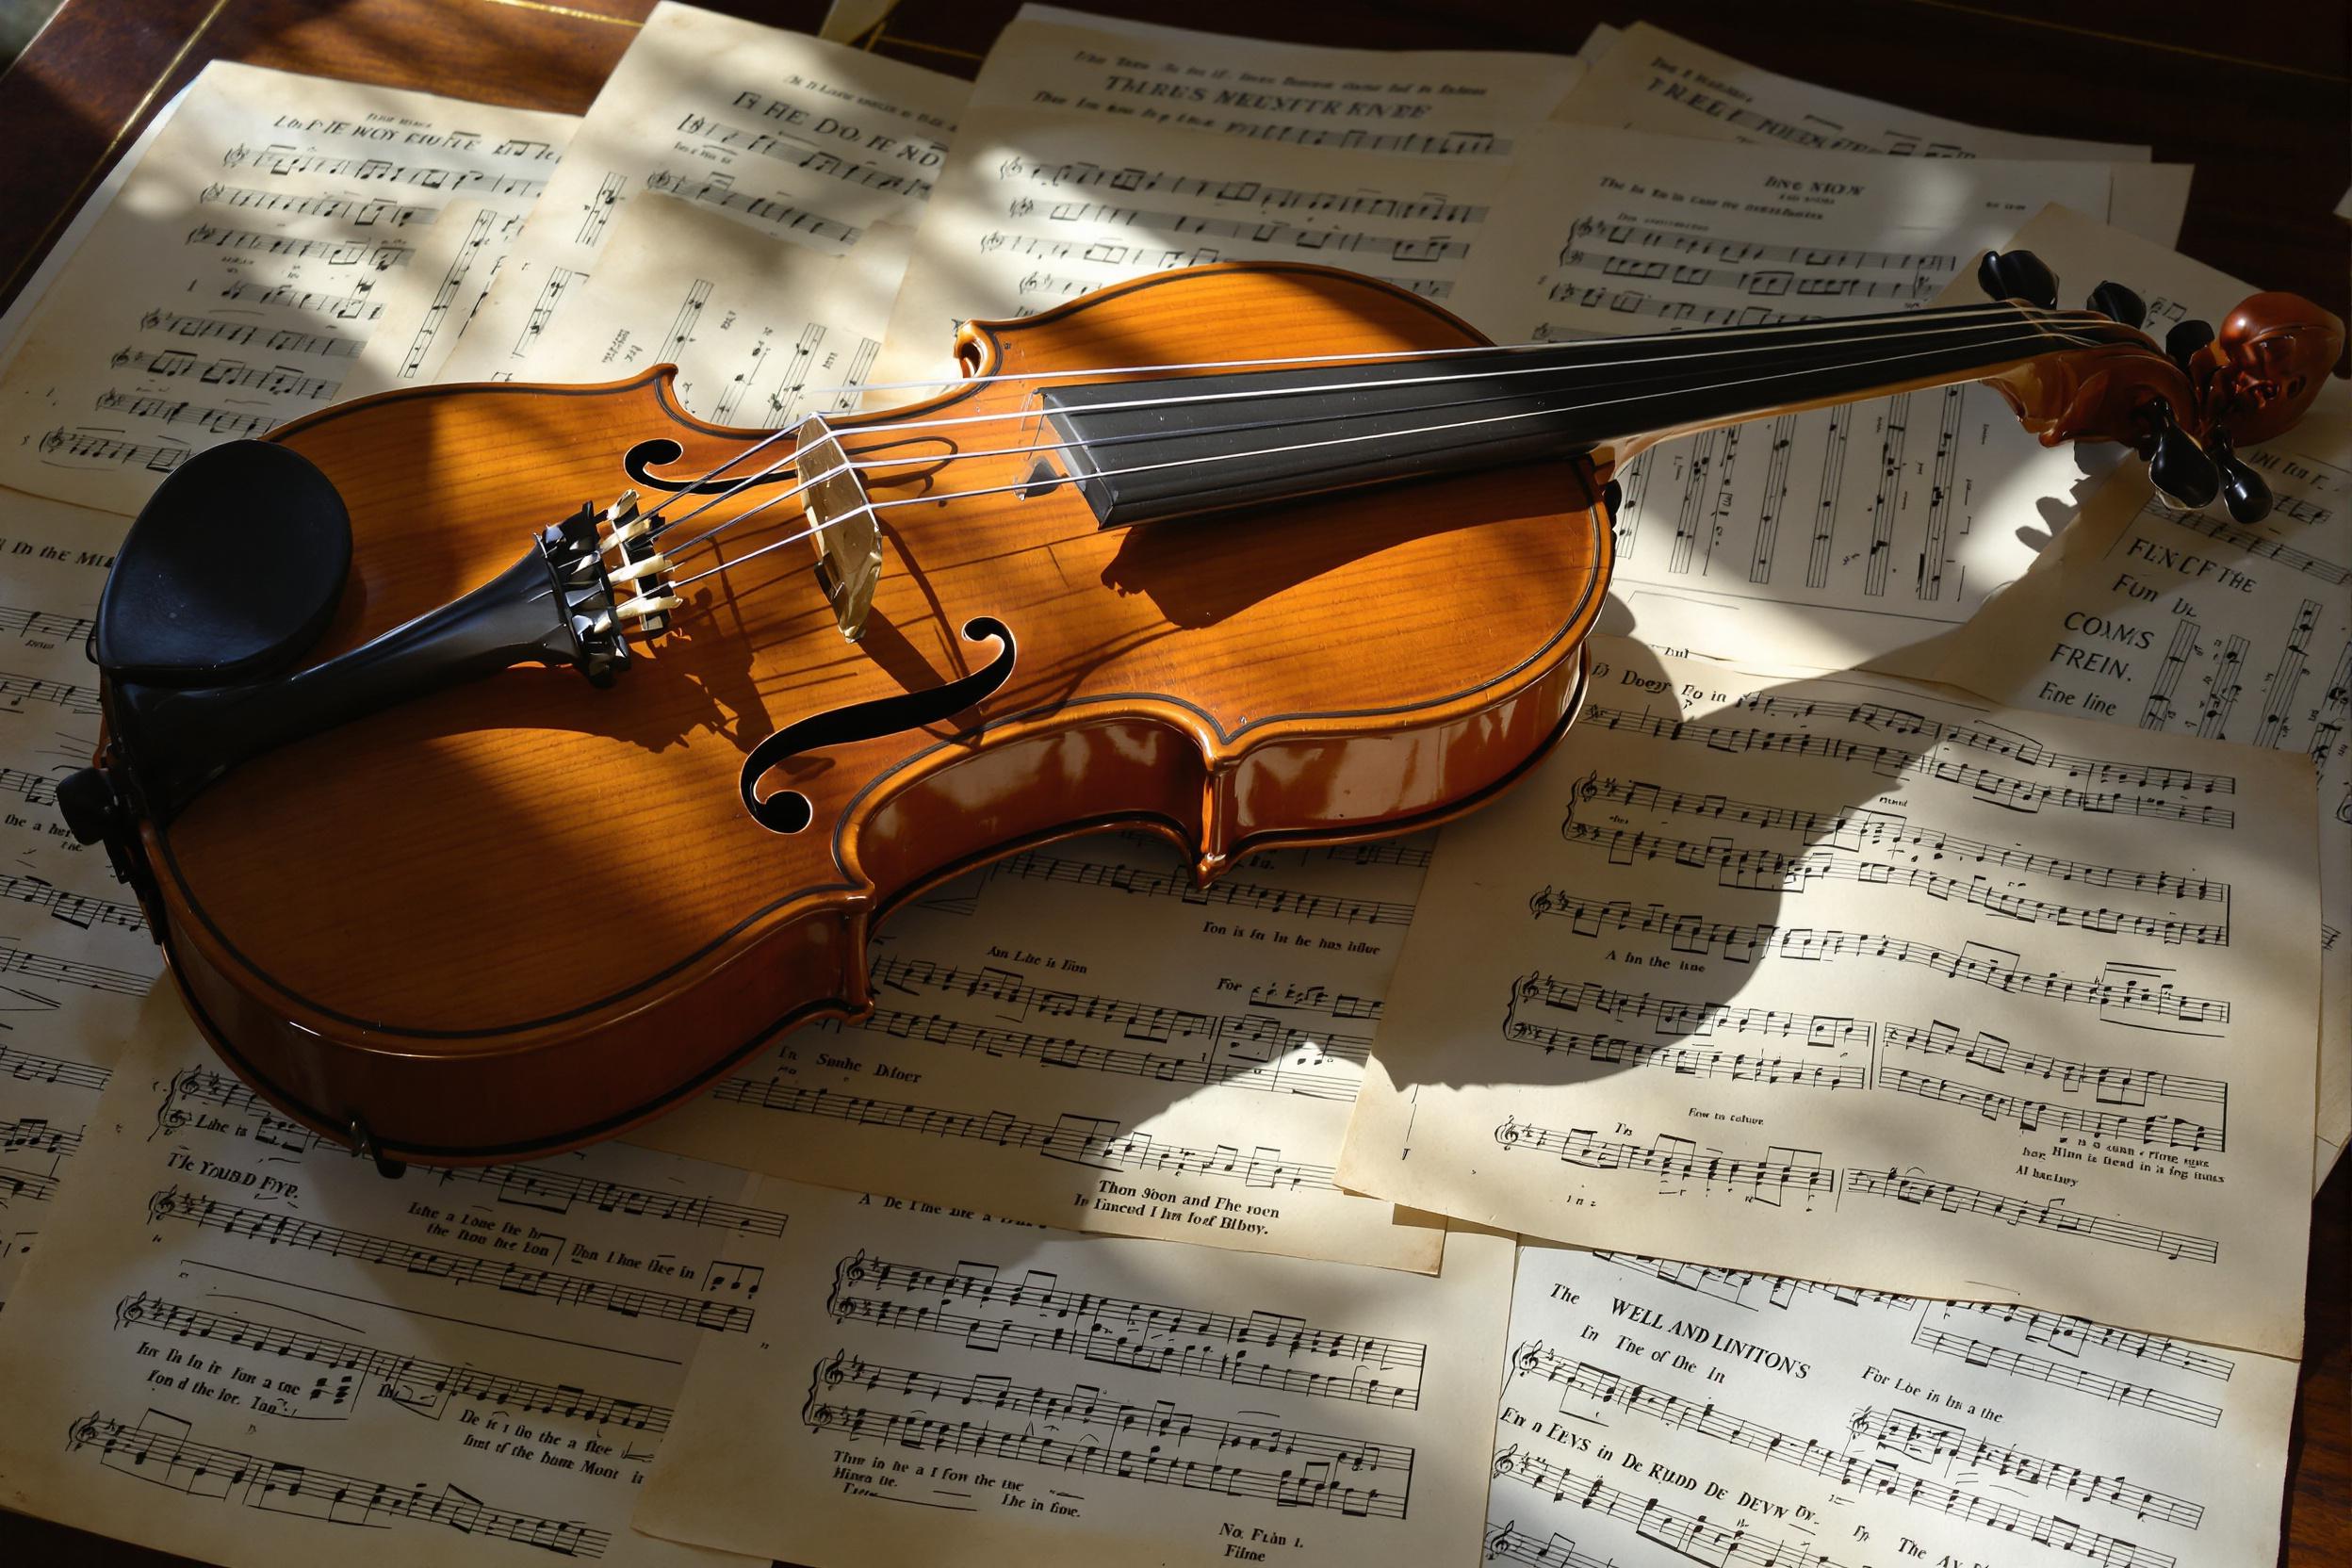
(2117, 303)
(2244, 491)
(2177, 466)
(2018, 275)
(2186, 340)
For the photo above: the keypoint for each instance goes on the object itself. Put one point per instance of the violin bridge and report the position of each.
(841, 526)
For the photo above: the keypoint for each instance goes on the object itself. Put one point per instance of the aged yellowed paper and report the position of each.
(1864, 981)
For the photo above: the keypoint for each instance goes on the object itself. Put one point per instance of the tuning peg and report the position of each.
(2244, 491)
(2186, 340)
(2177, 466)
(2117, 303)
(2018, 275)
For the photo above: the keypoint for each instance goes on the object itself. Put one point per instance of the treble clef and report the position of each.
(160, 1206)
(1580, 793)
(1539, 903)
(1861, 1422)
(1508, 1134)
(829, 1373)
(131, 1309)
(82, 1433)
(1507, 1461)
(1531, 1357)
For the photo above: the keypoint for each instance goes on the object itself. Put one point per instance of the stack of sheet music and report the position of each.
(1864, 932)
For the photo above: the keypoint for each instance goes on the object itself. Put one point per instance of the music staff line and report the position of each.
(1730, 1286)
(1319, 1472)
(1095, 1142)
(1890, 761)
(32, 1067)
(1687, 1019)
(1756, 870)
(1685, 1534)
(1979, 963)
(74, 909)
(2117, 1086)
(547, 1188)
(1249, 1051)
(281, 159)
(415, 1383)
(1927, 1439)
(1144, 1336)
(1034, 866)
(1838, 1465)
(174, 1460)
(1860, 828)
(509, 1275)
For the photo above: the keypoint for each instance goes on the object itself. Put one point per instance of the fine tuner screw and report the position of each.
(2018, 275)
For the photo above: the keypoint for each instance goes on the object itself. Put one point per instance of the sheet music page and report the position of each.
(760, 332)
(1441, 102)
(1037, 208)
(802, 141)
(1632, 232)
(74, 952)
(427, 305)
(243, 1344)
(1739, 1417)
(2191, 624)
(1836, 535)
(926, 1387)
(1867, 983)
(1081, 1036)
(1648, 79)
(232, 284)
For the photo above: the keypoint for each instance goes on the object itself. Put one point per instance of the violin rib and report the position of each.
(523, 913)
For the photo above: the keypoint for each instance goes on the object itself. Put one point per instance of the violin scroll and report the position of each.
(2186, 407)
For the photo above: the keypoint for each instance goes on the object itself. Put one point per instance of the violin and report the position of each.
(1243, 555)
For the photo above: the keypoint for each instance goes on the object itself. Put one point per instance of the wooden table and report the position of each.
(2260, 108)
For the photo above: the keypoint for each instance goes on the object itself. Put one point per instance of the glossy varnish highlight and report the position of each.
(523, 912)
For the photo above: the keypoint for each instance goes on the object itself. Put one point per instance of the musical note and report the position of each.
(164, 1454)
(1841, 1468)
(1860, 827)
(1319, 1470)
(1268, 1350)
(1035, 865)
(284, 1230)
(2049, 1215)
(421, 1386)
(1753, 1039)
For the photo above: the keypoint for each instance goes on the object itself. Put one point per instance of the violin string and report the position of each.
(1057, 445)
(2000, 314)
(870, 507)
(1245, 427)
(1993, 307)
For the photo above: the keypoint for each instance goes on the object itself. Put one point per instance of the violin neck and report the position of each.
(1141, 451)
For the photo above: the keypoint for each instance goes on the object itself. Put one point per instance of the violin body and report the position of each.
(527, 911)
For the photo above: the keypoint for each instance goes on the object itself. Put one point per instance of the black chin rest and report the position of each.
(230, 572)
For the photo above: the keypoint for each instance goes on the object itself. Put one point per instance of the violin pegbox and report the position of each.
(2185, 407)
